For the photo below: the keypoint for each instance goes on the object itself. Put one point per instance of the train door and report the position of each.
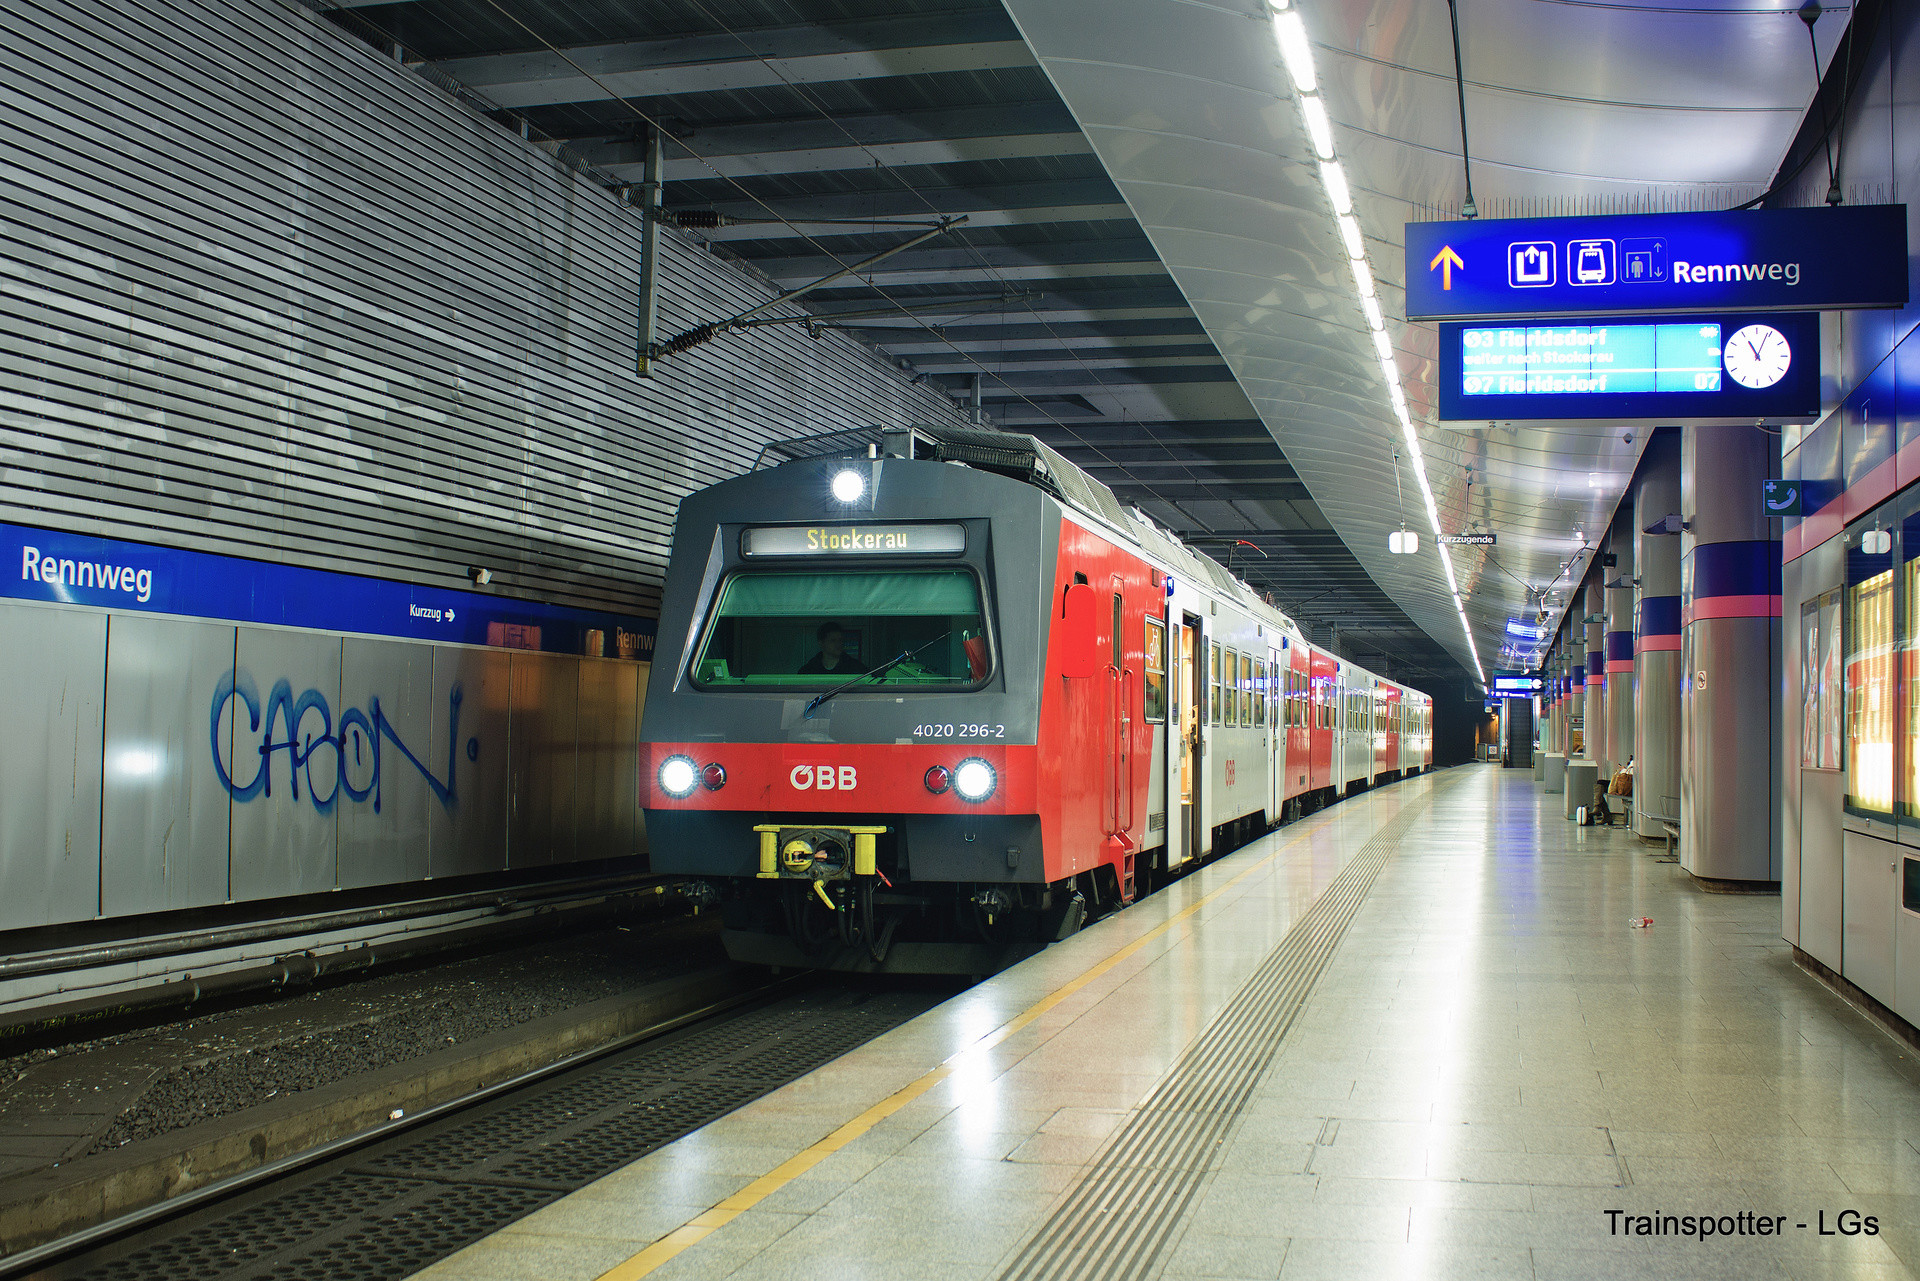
(1188, 751)
(1273, 691)
(1119, 801)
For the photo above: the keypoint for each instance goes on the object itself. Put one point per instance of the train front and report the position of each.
(840, 725)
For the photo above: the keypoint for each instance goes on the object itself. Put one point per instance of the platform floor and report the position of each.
(1412, 1036)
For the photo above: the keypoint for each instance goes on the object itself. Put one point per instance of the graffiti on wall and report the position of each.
(328, 758)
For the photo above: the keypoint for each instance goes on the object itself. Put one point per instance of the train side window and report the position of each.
(1260, 694)
(1246, 689)
(1154, 700)
(1118, 631)
(1213, 701)
(1230, 688)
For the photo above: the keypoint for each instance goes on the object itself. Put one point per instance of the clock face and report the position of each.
(1758, 356)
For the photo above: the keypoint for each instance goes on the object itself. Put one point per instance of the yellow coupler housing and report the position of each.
(863, 847)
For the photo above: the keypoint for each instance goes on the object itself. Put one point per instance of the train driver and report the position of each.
(833, 659)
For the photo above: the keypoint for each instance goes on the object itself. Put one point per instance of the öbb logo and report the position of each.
(823, 778)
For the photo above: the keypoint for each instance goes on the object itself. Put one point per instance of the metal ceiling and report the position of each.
(825, 109)
(1138, 169)
(1572, 106)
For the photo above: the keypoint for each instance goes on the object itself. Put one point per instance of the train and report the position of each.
(930, 702)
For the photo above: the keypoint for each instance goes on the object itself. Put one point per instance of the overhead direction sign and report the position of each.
(1828, 259)
(1468, 540)
(1730, 366)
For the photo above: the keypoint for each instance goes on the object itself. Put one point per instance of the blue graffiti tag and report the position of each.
(354, 747)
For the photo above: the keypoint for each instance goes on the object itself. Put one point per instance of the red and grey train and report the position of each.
(924, 710)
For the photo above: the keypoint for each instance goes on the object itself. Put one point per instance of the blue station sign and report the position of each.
(1829, 259)
(1738, 367)
(105, 573)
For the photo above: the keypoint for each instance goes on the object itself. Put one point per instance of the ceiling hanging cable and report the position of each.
(1809, 13)
(1468, 209)
(1829, 127)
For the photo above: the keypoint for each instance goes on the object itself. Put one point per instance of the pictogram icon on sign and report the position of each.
(1590, 262)
(1445, 261)
(1530, 263)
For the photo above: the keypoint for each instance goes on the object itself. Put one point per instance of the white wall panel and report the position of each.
(50, 734)
(164, 811)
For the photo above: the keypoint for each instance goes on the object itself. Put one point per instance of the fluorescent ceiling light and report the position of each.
(1319, 128)
(1384, 345)
(1350, 232)
(1295, 49)
(1374, 319)
(1362, 276)
(1334, 179)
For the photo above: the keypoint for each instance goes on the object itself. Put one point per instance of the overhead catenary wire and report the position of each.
(666, 133)
(800, 91)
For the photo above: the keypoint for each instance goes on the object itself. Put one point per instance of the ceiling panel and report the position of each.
(1571, 105)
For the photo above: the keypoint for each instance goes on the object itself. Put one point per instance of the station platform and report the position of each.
(1414, 1035)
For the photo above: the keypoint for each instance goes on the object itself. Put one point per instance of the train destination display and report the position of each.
(1738, 367)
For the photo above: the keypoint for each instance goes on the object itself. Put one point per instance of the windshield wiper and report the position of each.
(905, 655)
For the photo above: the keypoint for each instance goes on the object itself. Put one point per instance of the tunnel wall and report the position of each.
(274, 300)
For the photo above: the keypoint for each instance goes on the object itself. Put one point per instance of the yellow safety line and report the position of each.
(703, 1225)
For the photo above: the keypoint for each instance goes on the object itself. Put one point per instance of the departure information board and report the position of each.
(1561, 360)
(1738, 367)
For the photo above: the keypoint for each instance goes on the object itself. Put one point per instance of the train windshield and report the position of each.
(920, 628)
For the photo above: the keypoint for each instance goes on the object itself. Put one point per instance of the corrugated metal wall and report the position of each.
(270, 295)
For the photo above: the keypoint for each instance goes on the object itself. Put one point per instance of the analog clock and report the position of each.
(1758, 356)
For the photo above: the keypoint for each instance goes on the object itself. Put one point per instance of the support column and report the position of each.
(1730, 646)
(1656, 645)
(1594, 607)
(1553, 773)
(1618, 642)
(1574, 634)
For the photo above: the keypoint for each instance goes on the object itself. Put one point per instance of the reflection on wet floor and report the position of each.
(1491, 1059)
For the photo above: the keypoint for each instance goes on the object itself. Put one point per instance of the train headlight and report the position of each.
(848, 486)
(679, 776)
(974, 779)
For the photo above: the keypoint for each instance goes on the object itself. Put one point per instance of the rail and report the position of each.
(184, 968)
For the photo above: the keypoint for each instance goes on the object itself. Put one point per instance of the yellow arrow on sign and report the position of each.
(1446, 260)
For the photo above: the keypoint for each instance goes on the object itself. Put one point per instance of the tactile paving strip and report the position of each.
(390, 1212)
(1115, 1224)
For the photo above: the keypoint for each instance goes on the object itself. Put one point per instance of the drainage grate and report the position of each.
(392, 1211)
(1137, 1192)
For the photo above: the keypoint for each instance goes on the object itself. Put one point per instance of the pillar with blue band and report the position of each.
(1617, 641)
(1729, 657)
(1656, 650)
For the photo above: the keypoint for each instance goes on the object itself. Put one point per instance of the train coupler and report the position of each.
(818, 853)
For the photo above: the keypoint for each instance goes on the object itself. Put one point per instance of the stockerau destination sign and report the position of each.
(853, 540)
(1828, 259)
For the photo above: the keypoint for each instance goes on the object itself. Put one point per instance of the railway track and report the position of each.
(388, 1202)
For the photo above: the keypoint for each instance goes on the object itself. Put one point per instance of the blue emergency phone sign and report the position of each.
(1848, 257)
